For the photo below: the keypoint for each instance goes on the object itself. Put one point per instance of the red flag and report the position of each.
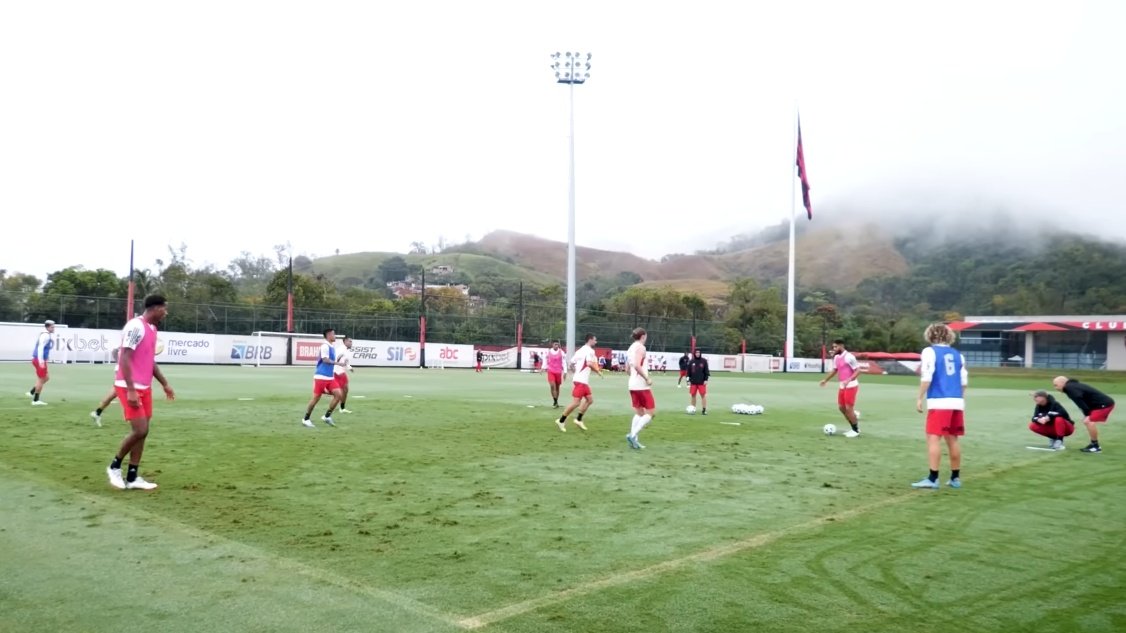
(804, 177)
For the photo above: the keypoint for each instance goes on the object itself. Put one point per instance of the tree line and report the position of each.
(1069, 275)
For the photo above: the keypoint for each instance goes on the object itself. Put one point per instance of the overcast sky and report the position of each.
(234, 126)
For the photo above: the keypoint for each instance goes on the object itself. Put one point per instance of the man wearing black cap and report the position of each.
(39, 357)
(1051, 420)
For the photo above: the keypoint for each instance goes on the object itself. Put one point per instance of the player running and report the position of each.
(584, 360)
(640, 392)
(341, 368)
(554, 372)
(847, 370)
(136, 367)
(324, 381)
(943, 383)
(39, 358)
(684, 360)
(106, 401)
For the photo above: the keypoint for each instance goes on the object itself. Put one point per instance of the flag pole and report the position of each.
(788, 349)
(289, 298)
(129, 295)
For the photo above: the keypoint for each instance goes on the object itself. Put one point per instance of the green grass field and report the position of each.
(448, 503)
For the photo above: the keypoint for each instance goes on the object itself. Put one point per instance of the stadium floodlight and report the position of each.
(571, 69)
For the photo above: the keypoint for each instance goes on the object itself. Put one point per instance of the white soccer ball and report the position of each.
(690, 410)
(830, 429)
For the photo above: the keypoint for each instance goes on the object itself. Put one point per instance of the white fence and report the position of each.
(85, 345)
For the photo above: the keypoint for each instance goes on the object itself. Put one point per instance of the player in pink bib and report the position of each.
(136, 368)
(555, 372)
(847, 370)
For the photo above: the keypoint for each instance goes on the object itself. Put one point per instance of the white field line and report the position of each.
(322, 575)
(752, 542)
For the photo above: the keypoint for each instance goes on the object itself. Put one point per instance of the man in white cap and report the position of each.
(39, 357)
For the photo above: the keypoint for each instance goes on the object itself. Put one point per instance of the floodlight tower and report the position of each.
(571, 69)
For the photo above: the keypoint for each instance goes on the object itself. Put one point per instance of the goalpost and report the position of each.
(252, 355)
(757, 363)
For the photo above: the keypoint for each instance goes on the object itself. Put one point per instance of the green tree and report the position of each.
(394, 269)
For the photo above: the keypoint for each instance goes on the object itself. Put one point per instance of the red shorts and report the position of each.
(847, 397)
(554, 378)
(135, 413)
(324, 387)
(581, 390)
(1098, 415)
(697, 389)
(341, 380)
(40, 369)
(683, 373)
(946, 422)
(643, 399)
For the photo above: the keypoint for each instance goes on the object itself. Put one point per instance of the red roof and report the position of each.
(958, 326)
(1040, 327)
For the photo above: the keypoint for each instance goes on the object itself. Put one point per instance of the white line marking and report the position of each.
(245, 399)
(404, 602)
(357, 396)
(1040, 448)
(733, 423)
(754, 541)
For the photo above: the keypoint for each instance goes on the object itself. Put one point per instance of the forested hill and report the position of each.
(875, 286)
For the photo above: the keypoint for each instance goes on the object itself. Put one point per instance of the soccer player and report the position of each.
(136, 367)
(698, 374)
(39, 357)
(554, 372)
(341, 368)
(640, 388)
(943, 384)
(1095, 405)
(106, 401)
(1051, 420)
(480, 357)
(684, 360)
(847, 370)
(324, 381)
(584, 360)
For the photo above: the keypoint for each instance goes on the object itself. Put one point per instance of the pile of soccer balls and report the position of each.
(748, 409)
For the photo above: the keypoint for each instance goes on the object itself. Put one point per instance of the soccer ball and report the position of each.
(690, 410)
(830, 429)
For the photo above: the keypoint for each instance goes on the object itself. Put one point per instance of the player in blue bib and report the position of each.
(943, 380)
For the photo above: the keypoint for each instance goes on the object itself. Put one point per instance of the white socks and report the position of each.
(639, 423)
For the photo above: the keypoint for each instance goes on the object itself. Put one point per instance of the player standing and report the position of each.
(584, 360)
(480, 358)
(341, 368)
(1095, 405)
(684, 360)
(554, 372)
(324, 381)
(136, 367)
(39, 357)
(943, 383)
(698, 375)
(640, 388)
(847, 371)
